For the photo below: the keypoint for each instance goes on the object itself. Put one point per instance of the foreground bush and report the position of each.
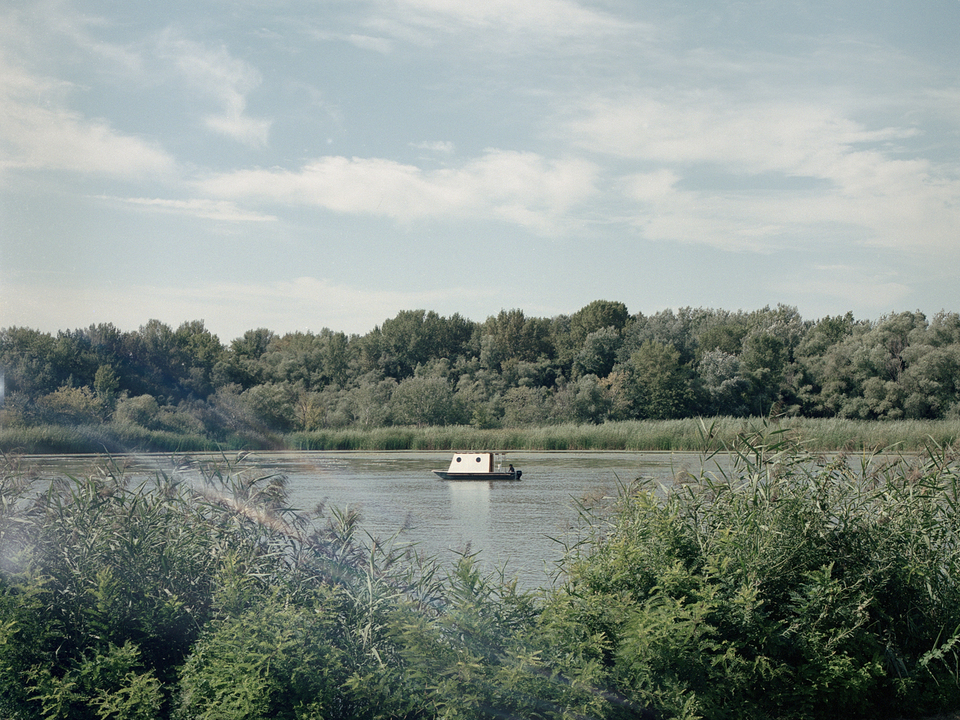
(787, 587)
(200, 595)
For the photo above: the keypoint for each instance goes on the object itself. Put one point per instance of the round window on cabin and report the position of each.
(459, 459)
(478, 459)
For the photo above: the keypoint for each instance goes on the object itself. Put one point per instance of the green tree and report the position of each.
(598, 354)
(71, 406)
(584, 401)
(511, 336)
(570, 336)
(724, 388)
(240, 363)
(271, 405)
(415, 337)
(142, 410)
(336, 355)
(106, 386)
(763, 363)
(425, 401)
(198, 353)
(944, 329)
(153, 360)
(369, 402)
(863, 374)
(726, 337)
(598, 315)
(525, 406)
(27, 359)
(676, 329)
(821, 376)
(659, 385)
(309, 410)
(931, 381)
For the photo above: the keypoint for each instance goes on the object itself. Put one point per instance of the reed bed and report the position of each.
(688, 434)
(112, 438)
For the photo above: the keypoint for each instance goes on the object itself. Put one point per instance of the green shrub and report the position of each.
(475, 652)
(277, 660)
(788, 587)
(105, 685)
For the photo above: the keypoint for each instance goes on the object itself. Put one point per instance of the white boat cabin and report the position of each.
(473, 463)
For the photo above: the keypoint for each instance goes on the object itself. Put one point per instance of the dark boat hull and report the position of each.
(444, 475)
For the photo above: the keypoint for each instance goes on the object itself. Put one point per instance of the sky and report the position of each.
(297, 165)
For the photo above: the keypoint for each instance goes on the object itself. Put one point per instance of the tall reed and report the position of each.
(788, 586)
(829, 434)
(824, 434)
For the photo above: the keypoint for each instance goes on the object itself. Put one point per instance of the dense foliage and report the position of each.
(788, 586)
(421, 369)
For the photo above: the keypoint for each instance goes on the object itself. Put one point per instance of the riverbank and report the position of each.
(197, 596)
(690, 434)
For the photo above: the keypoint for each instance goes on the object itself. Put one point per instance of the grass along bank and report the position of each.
(111, 438)
(689, 434)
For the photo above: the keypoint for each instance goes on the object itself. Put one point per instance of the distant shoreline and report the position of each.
(690, 435)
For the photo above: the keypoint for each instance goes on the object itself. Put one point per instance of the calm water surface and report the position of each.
(510, 524)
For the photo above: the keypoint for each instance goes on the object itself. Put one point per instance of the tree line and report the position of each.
(419, 368)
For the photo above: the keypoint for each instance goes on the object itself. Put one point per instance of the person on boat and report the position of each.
(516, 473)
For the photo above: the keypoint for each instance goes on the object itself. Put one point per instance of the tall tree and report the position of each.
(240, 363)
(660, 386)
(415, 337)
(425, 401)
(511, 336)
(763, 363)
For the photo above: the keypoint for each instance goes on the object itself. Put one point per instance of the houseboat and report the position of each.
(478, 466)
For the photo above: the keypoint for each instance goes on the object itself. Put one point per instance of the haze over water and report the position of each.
(516, 525)
(513, 524)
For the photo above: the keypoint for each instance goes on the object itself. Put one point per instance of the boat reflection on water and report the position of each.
(470, 514)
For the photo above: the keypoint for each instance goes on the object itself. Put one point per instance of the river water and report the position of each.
(513, 525)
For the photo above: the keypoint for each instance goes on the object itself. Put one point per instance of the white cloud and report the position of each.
(797, 139)
(363, 41)
(367, 42)
(38, 131)
(862, 183)
(653, 186)
(923, 218)
(221, 210)
(522, 188)
(559, 17)
(517, 24)
(225, 79)
(438, 146)
(233, 124)
(727, 222)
